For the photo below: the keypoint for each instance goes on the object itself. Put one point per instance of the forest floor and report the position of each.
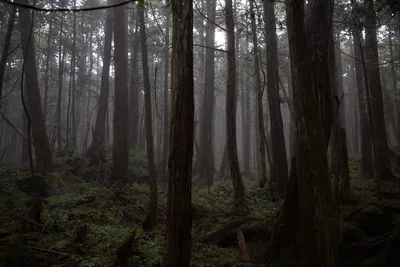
(81, 222)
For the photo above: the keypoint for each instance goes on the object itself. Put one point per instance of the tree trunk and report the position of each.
(366, 160)
(380, 143)
(262, 173)
(339, 115)
(46, 72)
(152, 215)
(61, 57)
(312, 241)
(6, 47)
(345, 189)
(100, 127)
(73, 89)
(32, 91)
(164, 158)
(178, 242)
(279, 168)
(231, 103)
(119, 169)
(134, 90)
(206, 157)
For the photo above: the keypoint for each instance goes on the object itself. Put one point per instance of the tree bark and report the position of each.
(165, 148)
(262, 172)
(134, 90)
(366, 161)
(119, 168)
(100, 126)
(152, 215)
(231, 104)
(6, 47)
(178, 242)
(206, 157)
(279, 168)
(32, 91)
(379, 141)
(313, 241)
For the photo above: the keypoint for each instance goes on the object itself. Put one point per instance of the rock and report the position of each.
(375, 221)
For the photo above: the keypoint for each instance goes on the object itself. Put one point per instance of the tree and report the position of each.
(166, 98)
(313, 241)
(206, 160)
(134, 89)
(6, 47)
(262, 173)
(375, 98)
(279, 168)
(366, 160)
(178, 242)
(94, 149)
(40, 140)
(119, 169)
(151, 221)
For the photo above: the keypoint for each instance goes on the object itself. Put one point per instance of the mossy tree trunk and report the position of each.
(178, 240)
(314, 240)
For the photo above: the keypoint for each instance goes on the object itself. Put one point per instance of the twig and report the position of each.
(48, 251)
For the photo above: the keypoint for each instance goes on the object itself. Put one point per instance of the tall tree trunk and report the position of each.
(6, 47)
(309, 236)
(61, 57)
(164, 158)
(119, 169)
(206, 157)
(380, 142)
(366, 161)
(394, 80)
(339, 116)
(279, 168)
(152, 215)
(32, 91)
(73, 89)
(179, 213)
(100, 127)
(134, 96)
(46, 72)
(262, 173)
(89, 83)
(231, 103)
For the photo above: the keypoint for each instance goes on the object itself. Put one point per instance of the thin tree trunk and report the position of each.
(262, 172)
(279, 168)
(164, 158)
(366, 161)
(6, 47)
(102, 110)
(134, 90)
(151, 221)
(231, 103)
(206, 156)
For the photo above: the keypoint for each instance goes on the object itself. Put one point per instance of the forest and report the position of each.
(199, 133)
